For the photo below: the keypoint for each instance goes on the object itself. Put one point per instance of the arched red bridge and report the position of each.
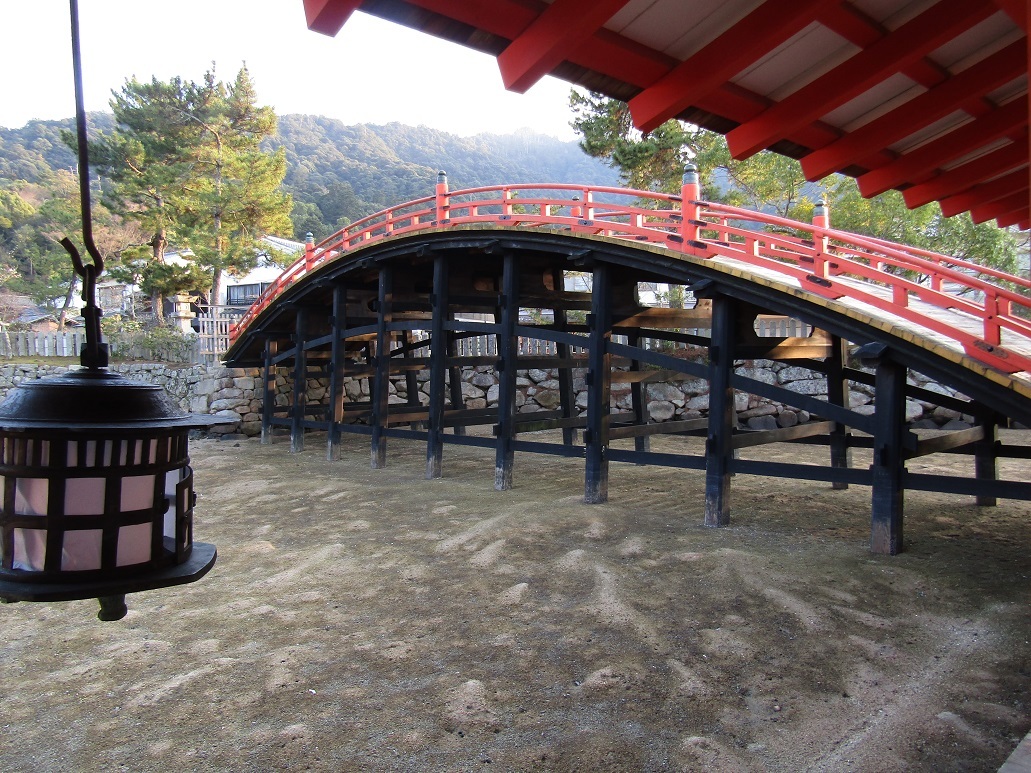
(392, 295)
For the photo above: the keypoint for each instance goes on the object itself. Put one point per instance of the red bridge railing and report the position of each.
(908, 282)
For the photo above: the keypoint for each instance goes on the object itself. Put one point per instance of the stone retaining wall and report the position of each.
(235, 393)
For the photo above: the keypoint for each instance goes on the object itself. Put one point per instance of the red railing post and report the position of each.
(443, 204)
(690, 209)
(992, 330)
(821, 219)
(309, 251)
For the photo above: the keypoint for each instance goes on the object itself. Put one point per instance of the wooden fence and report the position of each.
(64, 343)
(212, 340)
(213, 332)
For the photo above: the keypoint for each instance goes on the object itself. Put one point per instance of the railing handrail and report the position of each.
(679, 223)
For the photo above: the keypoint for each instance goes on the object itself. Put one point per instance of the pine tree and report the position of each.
(186, 162)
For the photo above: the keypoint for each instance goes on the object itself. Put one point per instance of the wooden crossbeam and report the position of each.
(782, 435)
(957, 439)
(662, 317)
(659, 428)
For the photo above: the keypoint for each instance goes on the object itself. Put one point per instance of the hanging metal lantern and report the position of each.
(97, 486)
(97, 491)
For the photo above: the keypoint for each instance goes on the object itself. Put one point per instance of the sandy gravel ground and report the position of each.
(364, 619)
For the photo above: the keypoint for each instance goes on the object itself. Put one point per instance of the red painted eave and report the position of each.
(929, 99)
(329, 16)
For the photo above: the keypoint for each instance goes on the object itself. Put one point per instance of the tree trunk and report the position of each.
(216, 287)
(157, 300)
(68, 300)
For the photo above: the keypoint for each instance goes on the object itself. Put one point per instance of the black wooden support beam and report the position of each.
(455, 384)
(380, 387)
(508, 352)
(438, 362)
(268, 396)
(415, 364)
(335, 409)
(719, 448)
(986, 459)
(838, 394)
(596, 436)
(888, 468)
(567, 396)
(638, 395)
(300, 390)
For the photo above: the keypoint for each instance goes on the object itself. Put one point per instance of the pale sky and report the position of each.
(372, 72)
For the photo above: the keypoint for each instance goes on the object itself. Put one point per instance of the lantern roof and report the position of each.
(88, 399)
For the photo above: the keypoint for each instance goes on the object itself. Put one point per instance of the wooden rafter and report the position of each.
(856, 27)
(1008, 207)
(329, 16)
(957, 143)
(951, 95)
(543, 45)
(765, 28)
(1005, 185)
(872, 65)
(961, 178)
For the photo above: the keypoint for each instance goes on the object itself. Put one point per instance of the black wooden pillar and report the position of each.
(300, 391)
(986, 460)
(567, 397)
(837, 394)
(638, 393)
(335, 409)
(380, 388)
(439, 349)
(508, 351)
(889, 464)
(719, 449)
(411, 380)
(268, 392)
(455, 377)
(599, 387)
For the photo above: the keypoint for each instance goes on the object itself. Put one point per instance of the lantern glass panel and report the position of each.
(134, 544)
(84, 496)
(81, 550)
(30, 549)
(137, 492)
(31, 496)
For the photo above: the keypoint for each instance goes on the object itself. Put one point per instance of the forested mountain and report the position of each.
(335, 173)
(338, 173)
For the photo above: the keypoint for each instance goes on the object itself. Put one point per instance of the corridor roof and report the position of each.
(929, 98)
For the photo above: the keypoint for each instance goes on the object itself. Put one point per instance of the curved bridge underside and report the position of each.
(400, 307)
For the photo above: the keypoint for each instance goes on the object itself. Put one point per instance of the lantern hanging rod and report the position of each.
(94, 352)
(80, 132)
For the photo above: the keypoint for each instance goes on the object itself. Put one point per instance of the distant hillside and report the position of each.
(33, 150)
(339, 173)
